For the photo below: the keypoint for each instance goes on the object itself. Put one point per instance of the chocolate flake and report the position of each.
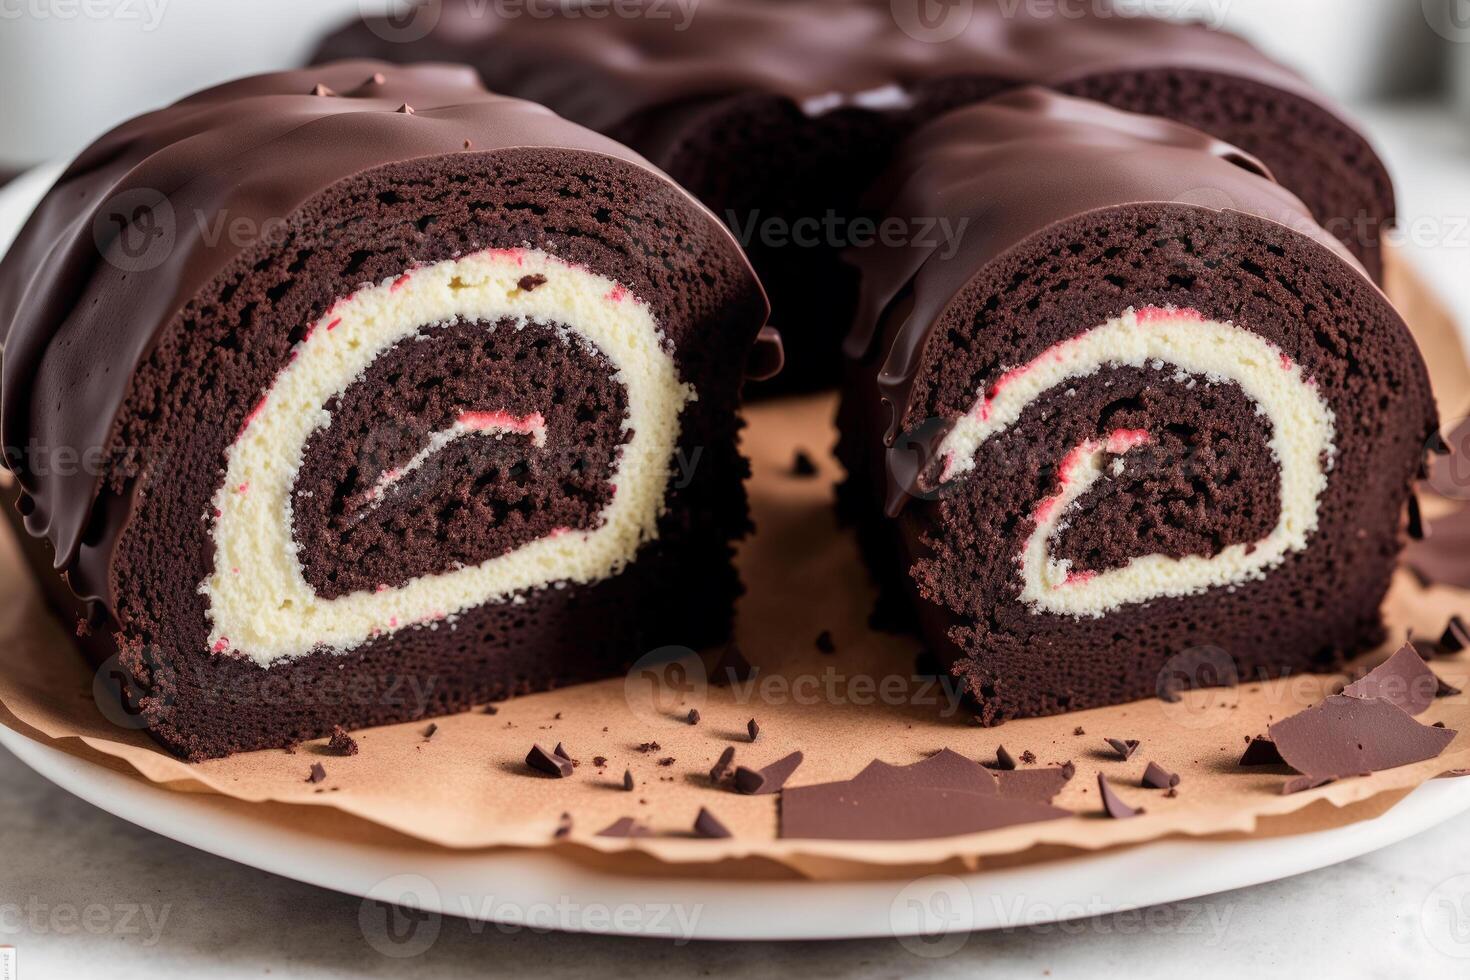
(628, 780)
(1261, 752)
(563, 826)
(546, 762)
(320, 89)
(625, 827)
(1003, 759)
(753, 729)
(1113, 806)
(722, 766)
(560, 750)
(1445, 690)
(405, 109)
(1079, 730)
(1346, 736)
(1442, 556)
(1069, 769)
(646, 747)
(1416, 518)
(341, 743)
(693, 716)
(1028, 757)
(528, 283)
(431, 731)
(732, 668)
(1124, 747)
(599, 761)
(760, 782)
(802, 465)
(825, 643)
(706, 824)
(491, 709)
(1156, 776)
(317, 774)
(1402, 680)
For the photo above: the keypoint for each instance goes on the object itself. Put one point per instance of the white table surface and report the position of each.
(84, 894)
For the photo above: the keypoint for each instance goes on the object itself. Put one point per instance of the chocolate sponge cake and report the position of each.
(1147, 407)
(393, 396)
(778, 113)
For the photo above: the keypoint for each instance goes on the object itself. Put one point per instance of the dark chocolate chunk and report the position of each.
(706, 824)
(563, 826)
(759, 782)
(1346, 736)
(317, 774)
(1068, 769)
(1402, 680)
(1113, 806)
(561, 751)
(1028, 757)
(1442, 556)
(1156, 776)
(549, 763)
(753, 729)
(628, 780)
(825, 643)
(625, 827)
(722, 765)
(341, 743)
(599, 761)
(693, 716)
(1416, 519)
(491, 709)
(802, 465)
(1261, 752)
(431, 731)
(1079, 731)
(529, 283)
(322, 90)
(1124, 747)
(1003, 759)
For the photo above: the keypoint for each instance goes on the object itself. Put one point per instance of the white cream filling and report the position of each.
(260, 604)
(1178, 341)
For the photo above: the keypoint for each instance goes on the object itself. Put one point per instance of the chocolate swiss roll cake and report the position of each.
(1148, 409)
(779, 113)
(392, 396)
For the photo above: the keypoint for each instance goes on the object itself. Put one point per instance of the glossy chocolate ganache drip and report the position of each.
(1147, 406)
(383, 377)
(779, 113)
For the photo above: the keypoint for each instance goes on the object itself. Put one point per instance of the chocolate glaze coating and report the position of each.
(778, 113)
(1075, 213)
(131, 233)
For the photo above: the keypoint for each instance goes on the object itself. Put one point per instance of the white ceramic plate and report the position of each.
(542, 890)
(545, 891)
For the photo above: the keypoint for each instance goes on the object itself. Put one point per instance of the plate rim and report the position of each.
(515, 887)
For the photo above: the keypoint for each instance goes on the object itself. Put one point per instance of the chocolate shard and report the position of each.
(732, 668)
(722, 765)
(825, 643)
(431, 731)
(561, 751)
(1445, 690)
(760, 782)
(1003, 759)
(628, 780)
(1416, 518)
(625, 827)
(317, 774)
(753, 729)
(1069, 769)
(1156, 776)
(320, 89)
(1124, 747)
(563, 826)
(1456, 636)
(942, 796)
(1346, 736)
(1113, 806)
(405, 109)
(548, 762)
(1442, 556)
(706, 824)
(1261, 752)
(1402, 680)
(693, 716)
(802, 465)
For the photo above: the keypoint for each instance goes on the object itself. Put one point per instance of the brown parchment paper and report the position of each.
(468, 786)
